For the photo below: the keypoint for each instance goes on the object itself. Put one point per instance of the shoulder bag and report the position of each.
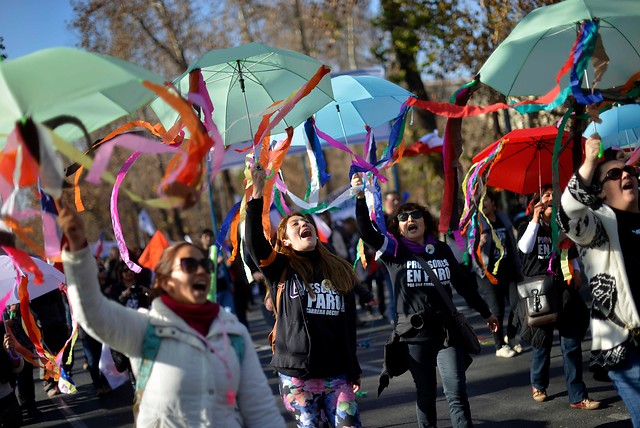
(538, 295)
(468, 337)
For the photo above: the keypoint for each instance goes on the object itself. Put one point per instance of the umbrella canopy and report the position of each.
(94, 88)
(52, 279)
(620, 127)
(251, 77)
(525, 160)
(527, 62)
(360, 101)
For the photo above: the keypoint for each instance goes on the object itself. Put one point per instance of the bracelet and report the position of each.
(13, 357)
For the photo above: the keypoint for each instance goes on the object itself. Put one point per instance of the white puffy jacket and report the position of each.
(190, 381)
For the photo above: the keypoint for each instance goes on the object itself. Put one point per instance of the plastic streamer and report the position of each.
(51, 231)
(555, 179)
(115, 217)
(226, 225)
(451, 151)
(583, 51)
(284, 107)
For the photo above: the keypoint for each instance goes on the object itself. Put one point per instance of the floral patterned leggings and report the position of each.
(306, 398)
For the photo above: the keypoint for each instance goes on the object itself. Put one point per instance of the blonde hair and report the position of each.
(333, 268)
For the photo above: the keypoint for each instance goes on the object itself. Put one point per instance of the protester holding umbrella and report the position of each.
(195, 365)
(315, 342)
(423, 317)
(599, 211)
(535, 244)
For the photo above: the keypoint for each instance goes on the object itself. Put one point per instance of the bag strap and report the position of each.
(150, 347)
(279, 290)
(436, 282)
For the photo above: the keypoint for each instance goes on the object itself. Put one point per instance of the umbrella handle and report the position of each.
(601, 150)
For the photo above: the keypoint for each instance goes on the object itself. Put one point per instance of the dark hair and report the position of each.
(430, 227)
(535, 198)
(337, 270)
(165, 266)
(207, 232)
(490, 195)
(608, 156)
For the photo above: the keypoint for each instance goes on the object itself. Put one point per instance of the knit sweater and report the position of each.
(594, 227)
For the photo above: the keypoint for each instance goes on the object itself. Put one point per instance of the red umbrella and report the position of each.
(525, 161)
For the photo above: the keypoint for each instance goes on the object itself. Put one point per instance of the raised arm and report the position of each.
(121, 328)
(369, 234)
(575, 217)
(268, 260)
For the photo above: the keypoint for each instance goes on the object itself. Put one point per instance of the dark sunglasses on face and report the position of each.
(190, 264)
(616, 173)
(414, 215)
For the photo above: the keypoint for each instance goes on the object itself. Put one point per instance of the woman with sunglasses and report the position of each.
(203, 369)
(313, 294)
(423, 317)
(535, 245)
(599, 211)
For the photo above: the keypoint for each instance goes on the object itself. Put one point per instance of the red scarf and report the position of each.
(199, 317)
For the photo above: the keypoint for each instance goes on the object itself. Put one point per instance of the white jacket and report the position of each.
(595, 230)
(190, 382)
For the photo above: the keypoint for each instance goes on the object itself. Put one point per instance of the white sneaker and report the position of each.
(513, 344)
(505, 352)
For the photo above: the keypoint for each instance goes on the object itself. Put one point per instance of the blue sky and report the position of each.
(31, 25)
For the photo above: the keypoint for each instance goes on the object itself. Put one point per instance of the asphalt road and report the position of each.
(499, 390)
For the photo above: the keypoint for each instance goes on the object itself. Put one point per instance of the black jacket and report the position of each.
(294, 346)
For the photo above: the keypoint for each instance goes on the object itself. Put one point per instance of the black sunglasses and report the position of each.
(616, 173)
(414, 215)
(190, 264)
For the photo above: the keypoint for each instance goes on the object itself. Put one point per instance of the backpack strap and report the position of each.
(276, 308)
(150, 347)
(237, 342)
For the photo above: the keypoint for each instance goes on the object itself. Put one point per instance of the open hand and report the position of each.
(356, 183)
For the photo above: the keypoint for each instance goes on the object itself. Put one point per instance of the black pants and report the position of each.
(26, 387)
(10, 414)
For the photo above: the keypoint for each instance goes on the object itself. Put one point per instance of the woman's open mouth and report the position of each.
(306, 233)
(412, 227)
(200, 286)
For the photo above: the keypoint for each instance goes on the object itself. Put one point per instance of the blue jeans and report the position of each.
(572, 356)
(225, 299)
(626, 379)
(423, 359)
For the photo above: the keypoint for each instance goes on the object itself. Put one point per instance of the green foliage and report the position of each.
(3, 56)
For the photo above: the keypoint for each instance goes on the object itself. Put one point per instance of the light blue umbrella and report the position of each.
(360, 101)
(620, 127)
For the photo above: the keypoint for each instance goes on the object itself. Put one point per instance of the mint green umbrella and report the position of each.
(94, 88)
(527, 62)
(243, 81)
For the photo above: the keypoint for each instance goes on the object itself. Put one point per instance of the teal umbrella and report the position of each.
(243, 81)
(95, 88)
(527, 61)
(360, 101)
